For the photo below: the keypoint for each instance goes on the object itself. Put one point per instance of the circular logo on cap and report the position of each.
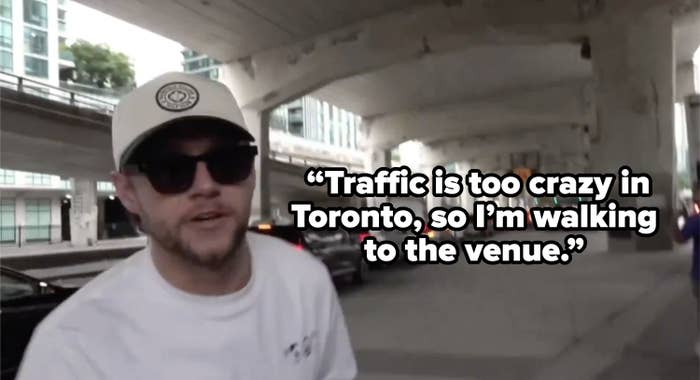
(177, 96)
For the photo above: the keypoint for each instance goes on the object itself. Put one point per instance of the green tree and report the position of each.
(97, 65)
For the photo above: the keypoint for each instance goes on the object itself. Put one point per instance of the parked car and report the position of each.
(338, 250)
(24, 302)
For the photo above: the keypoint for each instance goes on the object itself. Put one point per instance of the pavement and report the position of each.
(584, 320)
(605, 316)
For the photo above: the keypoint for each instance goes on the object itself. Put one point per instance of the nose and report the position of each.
(204, 184)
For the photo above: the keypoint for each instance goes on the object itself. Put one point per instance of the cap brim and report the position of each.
(238, 131)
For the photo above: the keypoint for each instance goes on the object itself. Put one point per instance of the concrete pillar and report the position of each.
(375, 159)
(258, 123)
(101, 229)
(55, 234)
(466, 201)
(633, 62)
(692, 114)
(83, 213)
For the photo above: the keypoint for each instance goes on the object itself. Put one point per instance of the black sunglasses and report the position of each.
(173, 172)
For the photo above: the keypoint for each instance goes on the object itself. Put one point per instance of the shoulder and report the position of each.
(287, 261)
(95, 297)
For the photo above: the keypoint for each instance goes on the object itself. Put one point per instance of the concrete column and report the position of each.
(633, 62)
(101, 230)
(375, 159)
(692, 114)
(258, 123)
(55, 234)
(466, 201)
(83, 213)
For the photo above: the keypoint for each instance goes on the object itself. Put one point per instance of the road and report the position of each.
(605, 316)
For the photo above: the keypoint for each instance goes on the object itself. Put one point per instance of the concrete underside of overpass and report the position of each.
(443, 71)
(43, 136)
(422, 70)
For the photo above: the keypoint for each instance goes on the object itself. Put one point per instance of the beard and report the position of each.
(172, 241)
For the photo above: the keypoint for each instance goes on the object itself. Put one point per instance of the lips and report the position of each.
(209, 215)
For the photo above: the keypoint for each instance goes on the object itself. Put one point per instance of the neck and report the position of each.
(232, 275)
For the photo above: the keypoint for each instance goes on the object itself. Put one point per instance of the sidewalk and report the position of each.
(517, 322)
(665, 349)
(66, 247)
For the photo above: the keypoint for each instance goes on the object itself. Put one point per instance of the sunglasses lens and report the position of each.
(170, 175)
(230, 166)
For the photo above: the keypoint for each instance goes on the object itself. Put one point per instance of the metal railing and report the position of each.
(308, 161)
(47, 91)
(23, 235)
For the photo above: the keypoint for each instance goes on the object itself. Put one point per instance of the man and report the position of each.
(691, 229)
(205, 299)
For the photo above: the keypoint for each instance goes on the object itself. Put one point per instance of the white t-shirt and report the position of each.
(129, 323)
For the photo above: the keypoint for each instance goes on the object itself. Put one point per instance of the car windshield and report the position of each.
(318, 239)
(288, 233)
(14, 288)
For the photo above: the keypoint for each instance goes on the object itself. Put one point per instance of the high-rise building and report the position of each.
(318, 121)
(33, 36)
(33, 39)
(307, 117)
(197, 63)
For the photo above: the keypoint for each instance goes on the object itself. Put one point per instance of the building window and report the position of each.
(6, 61)
(36, 67)
(38, 219)
(105, 186)
(64, 51)
(6, 34)
(295, 116)
(61, 20)
(38, 179)
(35, 13)
(7, 177)
(198, 64)
(6, 9)
(187, 54)
(35, 41)
(7, 220)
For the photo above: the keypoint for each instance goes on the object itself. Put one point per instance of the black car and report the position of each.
(338, 249)
(24, 302)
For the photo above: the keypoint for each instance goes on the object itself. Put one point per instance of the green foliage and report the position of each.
(97, 65)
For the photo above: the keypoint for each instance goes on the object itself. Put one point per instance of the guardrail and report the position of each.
(308, 161)
(47, 91)
(23, 235)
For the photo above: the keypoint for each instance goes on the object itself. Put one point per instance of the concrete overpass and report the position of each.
(436, 70)
(60, 132)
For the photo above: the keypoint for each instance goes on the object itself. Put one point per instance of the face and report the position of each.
(204, 224)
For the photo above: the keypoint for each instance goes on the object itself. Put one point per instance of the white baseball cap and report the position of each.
(166, 98)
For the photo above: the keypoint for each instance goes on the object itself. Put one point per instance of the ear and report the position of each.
(126, 192)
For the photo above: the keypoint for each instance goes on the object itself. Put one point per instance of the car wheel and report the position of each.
(361, 272)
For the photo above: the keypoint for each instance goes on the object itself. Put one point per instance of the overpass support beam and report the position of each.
(692, 113)
(377, 158)
(258, 123)
(83, 213)
(633, 62)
